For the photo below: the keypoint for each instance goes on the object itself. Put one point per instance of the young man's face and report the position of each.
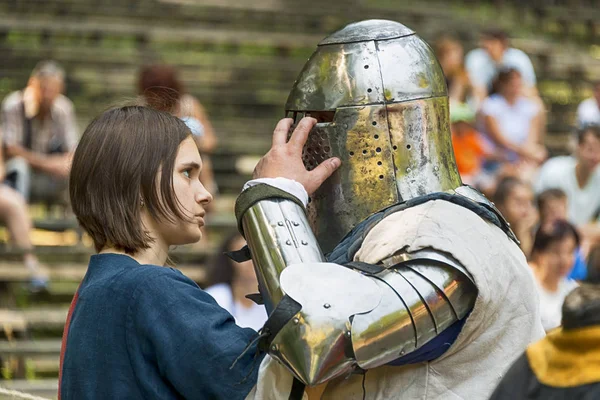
(494, 47)
(588, 151)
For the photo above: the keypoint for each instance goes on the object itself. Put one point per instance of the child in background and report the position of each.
(468, 146)
(552, 206)
(552, 256)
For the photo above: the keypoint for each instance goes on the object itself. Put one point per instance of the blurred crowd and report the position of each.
(498, 125)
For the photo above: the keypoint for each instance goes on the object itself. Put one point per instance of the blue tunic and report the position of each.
(148, 332)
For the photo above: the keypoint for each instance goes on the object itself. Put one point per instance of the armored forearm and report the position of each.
(358, 316)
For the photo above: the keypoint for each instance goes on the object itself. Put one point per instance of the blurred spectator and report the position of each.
(231, 282)
(552, 207)
(38, 124)
(483, 64)
(579, 178)
(563, 365)
(13, 213)
(469, 149)
(588, 112)
(511, 122)
(450, 53)
(552, 258)
(593, 263)
(514, 200)
(162, 89)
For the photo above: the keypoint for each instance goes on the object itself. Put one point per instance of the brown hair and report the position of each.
(160, 86)
(550, 194)
(115, 169)
(504, 77)
(581, 307)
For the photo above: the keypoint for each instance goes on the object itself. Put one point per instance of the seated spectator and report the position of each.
(450, 53)
(161, 88)
(230, 283)
(495, 54)
(588, 112)
(579, 178)
(565, 364)
(38, 124)
(552, 258)
(13, 213)
(514, 199)
(552, 207)
(511, 121)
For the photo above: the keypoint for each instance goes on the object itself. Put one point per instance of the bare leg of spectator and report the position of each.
(13, 211)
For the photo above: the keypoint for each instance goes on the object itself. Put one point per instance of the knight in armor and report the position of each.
(393, 279)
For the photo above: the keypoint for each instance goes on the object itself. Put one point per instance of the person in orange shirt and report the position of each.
(469, 149)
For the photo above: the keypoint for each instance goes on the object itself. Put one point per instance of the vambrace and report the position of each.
(352, 317)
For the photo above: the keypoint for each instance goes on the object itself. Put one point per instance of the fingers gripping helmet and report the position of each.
(380, 97)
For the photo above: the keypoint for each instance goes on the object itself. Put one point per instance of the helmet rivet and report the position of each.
(304, 242)
(295, 223)
(435, 168)
(348, 333)
(280, 223)
(273, 348)
(296, 321)
(326, 305)
(408, 169)
(288, 242)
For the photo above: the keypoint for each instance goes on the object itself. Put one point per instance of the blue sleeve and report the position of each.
(193, 341)
(579, 270)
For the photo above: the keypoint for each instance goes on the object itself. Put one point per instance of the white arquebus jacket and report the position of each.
(504, 320)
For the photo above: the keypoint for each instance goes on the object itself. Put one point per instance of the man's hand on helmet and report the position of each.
(285, 157)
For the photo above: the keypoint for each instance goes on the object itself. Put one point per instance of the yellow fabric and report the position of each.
(567, 358)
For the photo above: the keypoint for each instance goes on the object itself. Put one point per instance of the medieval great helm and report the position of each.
(381, 100)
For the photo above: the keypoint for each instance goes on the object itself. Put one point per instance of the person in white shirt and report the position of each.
(579, 178)
(510, 122)
(231, 282)
(588, 112)
(552, 257)
(494, 54)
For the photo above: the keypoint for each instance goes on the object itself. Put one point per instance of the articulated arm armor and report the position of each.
(328, 320)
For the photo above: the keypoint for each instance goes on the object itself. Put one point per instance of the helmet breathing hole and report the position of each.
(380, 176)
(408, 146)
(395, 147)
(376, 137)
(366, 67)
(378, 149)
(374, 123)
(369, 90)
(364, 152)
(351, 153)
(379, 163)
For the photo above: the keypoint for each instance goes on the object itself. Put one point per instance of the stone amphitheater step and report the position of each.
(13, 272)
(46, 388)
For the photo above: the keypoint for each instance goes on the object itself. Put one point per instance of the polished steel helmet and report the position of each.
(381, 100)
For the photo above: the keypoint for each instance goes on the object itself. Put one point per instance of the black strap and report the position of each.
(240, 255)
(297, 391)
(27, 130)
(256, 298)
(281, 315)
